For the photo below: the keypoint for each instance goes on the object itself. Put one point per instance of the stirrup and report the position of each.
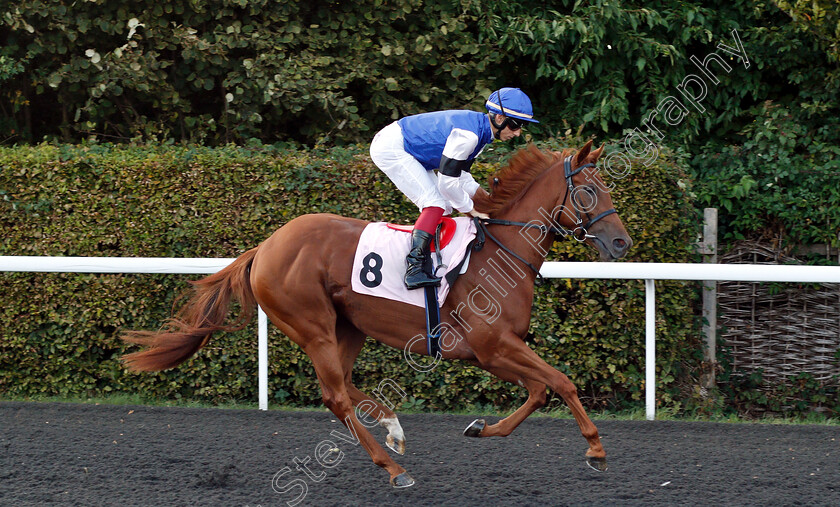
(416, 281)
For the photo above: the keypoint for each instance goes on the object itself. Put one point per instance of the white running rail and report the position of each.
(649, 272)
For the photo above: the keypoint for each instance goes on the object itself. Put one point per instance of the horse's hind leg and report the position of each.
(350, 342)
(536, 400)
(324, 355)
(395, 440)
(310, 322)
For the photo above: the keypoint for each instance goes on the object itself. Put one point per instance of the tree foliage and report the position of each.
(820, 17)
(222, 70)
(782, 179)
(236, 70)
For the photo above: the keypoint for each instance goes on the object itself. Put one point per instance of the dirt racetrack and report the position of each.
(71, 454)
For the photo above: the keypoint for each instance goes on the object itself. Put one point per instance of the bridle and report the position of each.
(579, 233)
(570, 188)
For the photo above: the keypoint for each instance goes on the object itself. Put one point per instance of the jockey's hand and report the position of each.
(478, 214)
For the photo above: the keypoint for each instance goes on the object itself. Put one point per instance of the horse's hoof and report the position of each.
(597, 464)
(475, 428)
(398, 446)
(402, 481)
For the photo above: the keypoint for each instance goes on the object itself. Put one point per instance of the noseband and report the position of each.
(481, 223)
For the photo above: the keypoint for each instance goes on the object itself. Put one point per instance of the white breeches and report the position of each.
(387, 151)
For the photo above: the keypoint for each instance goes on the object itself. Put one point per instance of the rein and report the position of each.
(482, 223)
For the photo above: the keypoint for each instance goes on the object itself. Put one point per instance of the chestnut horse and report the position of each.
(301, 277)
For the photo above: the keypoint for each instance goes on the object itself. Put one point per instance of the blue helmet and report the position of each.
(511, 102)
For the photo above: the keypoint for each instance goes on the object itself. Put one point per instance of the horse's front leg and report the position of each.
(509, 352)
(536, 400)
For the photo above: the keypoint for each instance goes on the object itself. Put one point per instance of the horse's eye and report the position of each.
(585, 198)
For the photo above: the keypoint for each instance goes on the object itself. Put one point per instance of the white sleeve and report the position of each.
(460, 144)
(452, 190)
(468, 183)
(455, 183)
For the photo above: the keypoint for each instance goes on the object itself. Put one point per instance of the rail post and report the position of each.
(650, 349)
(709, 249)
(262, 357)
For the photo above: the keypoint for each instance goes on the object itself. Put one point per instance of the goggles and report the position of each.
(513, 123)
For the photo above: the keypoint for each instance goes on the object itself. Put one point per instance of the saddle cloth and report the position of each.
(379, 263)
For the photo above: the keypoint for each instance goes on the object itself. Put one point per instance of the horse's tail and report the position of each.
(205, 312)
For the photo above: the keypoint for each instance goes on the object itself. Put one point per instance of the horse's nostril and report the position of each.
(619, 244)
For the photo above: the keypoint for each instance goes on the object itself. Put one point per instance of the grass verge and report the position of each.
(558, 413)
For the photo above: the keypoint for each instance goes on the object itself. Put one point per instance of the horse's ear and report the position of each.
(584, 152)
(597, 153)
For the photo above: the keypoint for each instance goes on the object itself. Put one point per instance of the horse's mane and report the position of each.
(508, 185)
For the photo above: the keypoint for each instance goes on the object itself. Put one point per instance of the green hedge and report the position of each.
(60, 331)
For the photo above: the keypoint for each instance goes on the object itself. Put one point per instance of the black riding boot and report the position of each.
(415, 262)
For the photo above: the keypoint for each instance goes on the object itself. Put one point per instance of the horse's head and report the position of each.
(586, 207)
(569, 182)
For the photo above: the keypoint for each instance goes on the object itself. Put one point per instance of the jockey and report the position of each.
(410, 149)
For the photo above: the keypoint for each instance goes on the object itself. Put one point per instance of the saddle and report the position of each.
(447, 231)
